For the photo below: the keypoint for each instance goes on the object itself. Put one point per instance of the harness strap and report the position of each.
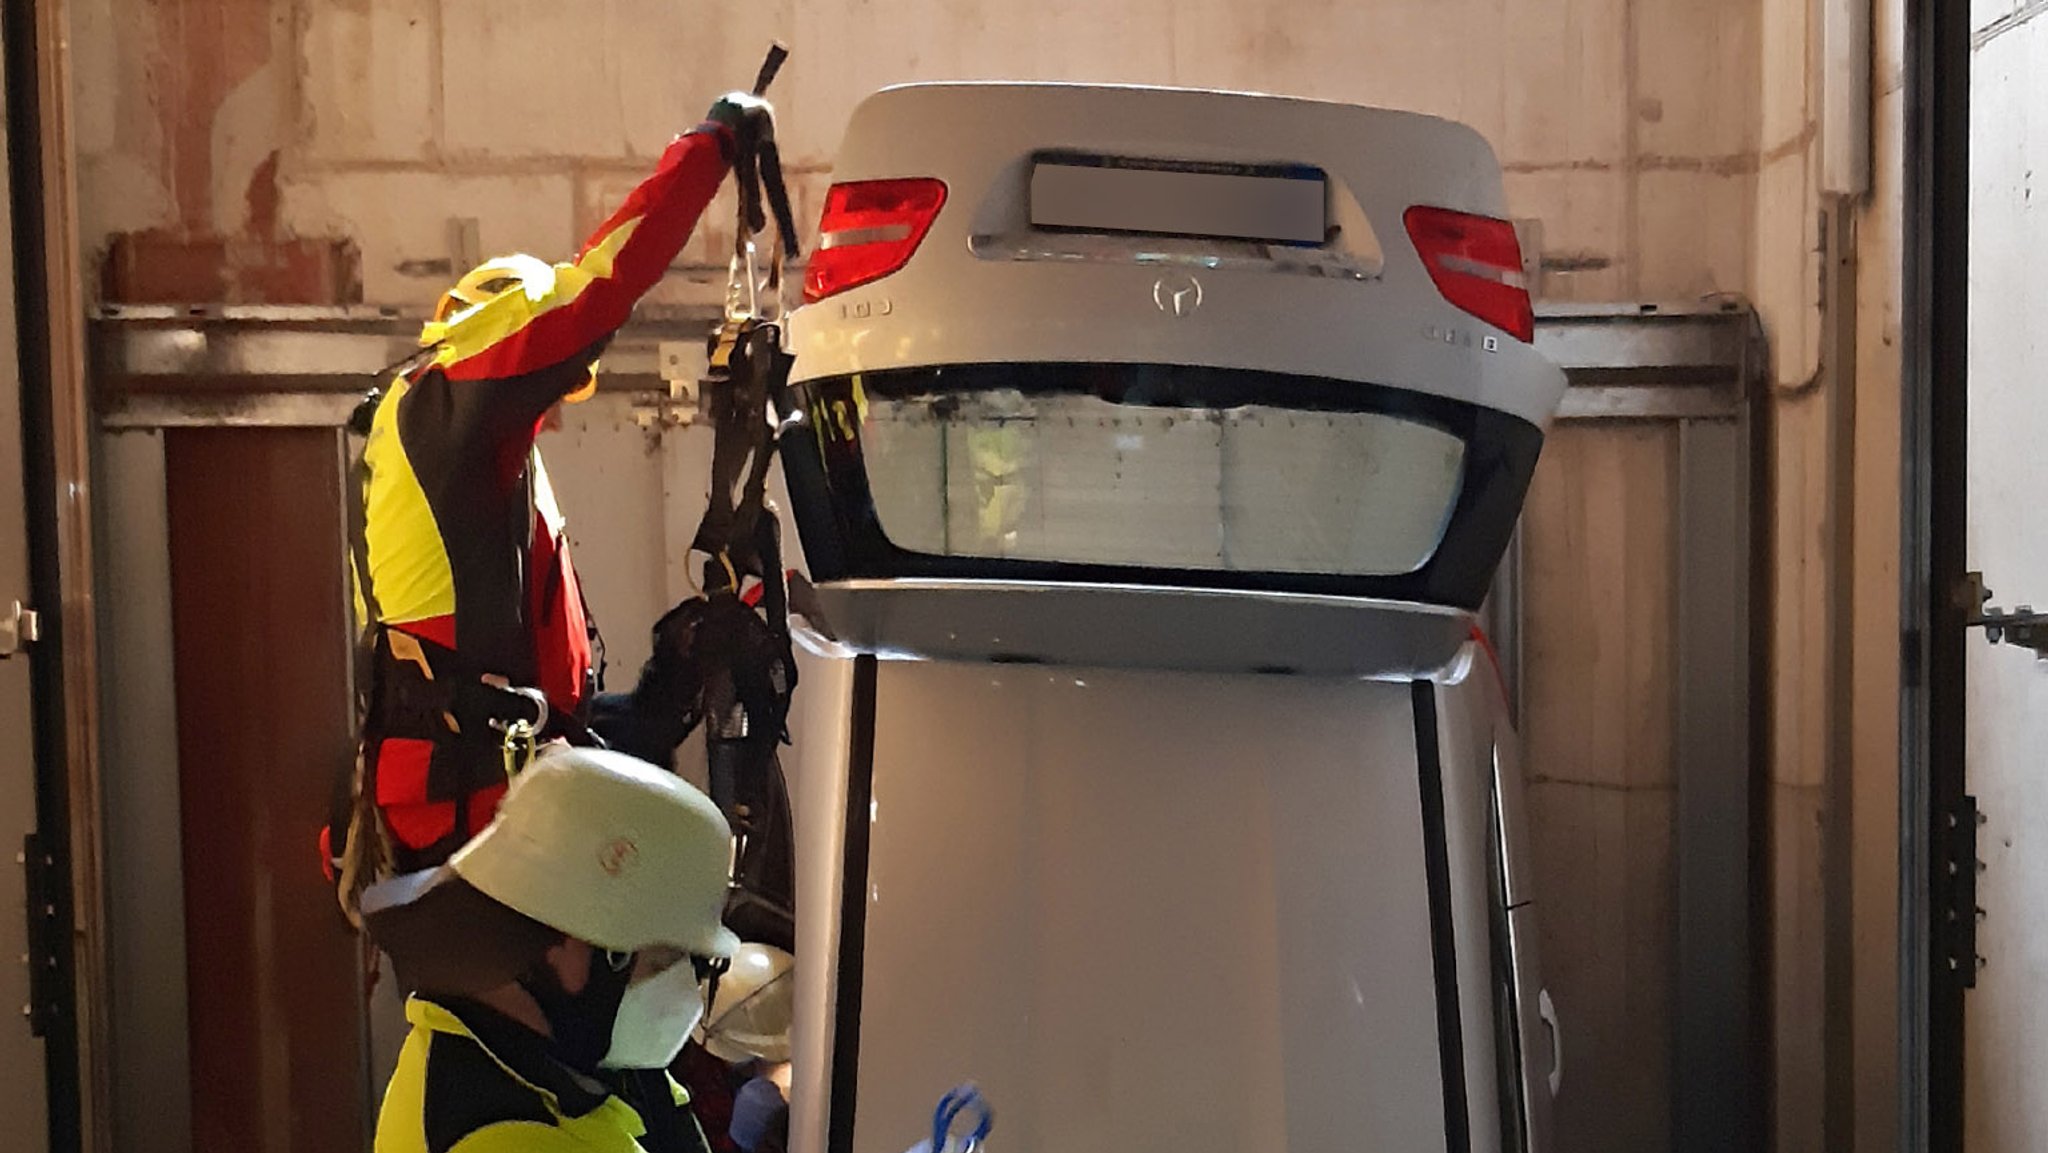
(749, 667)
(366, 850)
(408, 686)
(429, 691)
(755, 371)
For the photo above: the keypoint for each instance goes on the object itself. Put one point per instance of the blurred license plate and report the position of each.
(1273, 204)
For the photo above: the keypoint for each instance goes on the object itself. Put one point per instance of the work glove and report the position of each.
(749, 123)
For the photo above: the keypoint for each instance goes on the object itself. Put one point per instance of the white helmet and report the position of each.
(756, 999)
(592, 843)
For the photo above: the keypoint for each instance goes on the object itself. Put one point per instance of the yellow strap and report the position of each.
(406, 647)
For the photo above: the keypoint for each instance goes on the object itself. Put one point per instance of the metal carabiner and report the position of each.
(742, 280)
(518, 746)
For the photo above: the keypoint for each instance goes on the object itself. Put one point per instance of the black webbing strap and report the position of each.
(357, 498)
(759, 171)
(754, 372)
(749, 670)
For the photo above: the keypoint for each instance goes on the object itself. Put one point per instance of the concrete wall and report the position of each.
(1785, 286)
(258, 149)
(1628, 126)
(1832, 308)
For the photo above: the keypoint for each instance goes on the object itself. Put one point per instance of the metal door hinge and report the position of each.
(40, 878)
(20, 627)
(2022, 626)
(1958, 910)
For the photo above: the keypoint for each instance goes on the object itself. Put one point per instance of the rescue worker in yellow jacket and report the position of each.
(557, 961)
(462, 562)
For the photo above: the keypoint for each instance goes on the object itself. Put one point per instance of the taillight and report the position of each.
(870, 229)
(1476, 263)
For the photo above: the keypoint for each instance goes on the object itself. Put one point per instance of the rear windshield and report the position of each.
(1215, 476)
(1071, 476)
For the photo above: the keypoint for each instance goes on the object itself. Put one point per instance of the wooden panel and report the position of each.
(1599, 546)
(1605, 917)
(1600, 600)
(260, 632)
(1799, 973)
(1874, 714)
(1801, 612)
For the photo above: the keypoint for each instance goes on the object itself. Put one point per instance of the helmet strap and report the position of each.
(581, 1023)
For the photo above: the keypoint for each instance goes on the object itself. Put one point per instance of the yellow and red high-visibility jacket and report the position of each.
(465, 548)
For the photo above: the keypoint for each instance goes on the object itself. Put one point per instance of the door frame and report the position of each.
(50, 313)
(1935, 827)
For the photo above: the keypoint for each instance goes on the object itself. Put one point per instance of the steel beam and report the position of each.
(156, 366)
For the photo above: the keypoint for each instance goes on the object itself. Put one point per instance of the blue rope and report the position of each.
(953, 1104)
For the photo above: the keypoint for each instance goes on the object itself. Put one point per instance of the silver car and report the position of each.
(1157, 449)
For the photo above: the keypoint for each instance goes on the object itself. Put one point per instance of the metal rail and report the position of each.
(280, 366)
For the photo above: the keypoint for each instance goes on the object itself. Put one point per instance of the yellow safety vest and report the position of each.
(453, 1094)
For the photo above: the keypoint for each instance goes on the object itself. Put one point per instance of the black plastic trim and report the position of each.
(843, 537)
(1507, 992)
(853, 910)
(1933, 780)
(1443, 933)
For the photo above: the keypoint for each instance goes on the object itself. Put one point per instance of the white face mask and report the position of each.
(655, 1018)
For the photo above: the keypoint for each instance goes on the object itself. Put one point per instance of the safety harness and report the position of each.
(410, 686)
(749, 668)
(736, 634)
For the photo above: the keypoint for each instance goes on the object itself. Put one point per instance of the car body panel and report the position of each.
(984, 287)
(1159, 864)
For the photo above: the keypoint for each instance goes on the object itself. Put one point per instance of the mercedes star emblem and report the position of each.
(1178, 294)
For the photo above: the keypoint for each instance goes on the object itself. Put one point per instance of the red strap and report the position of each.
(751, 594)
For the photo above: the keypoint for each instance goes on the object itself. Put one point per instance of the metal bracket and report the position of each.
(1959, 912)
(680, 363)
(2022, 626)
(20, 627)
(40, 876)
